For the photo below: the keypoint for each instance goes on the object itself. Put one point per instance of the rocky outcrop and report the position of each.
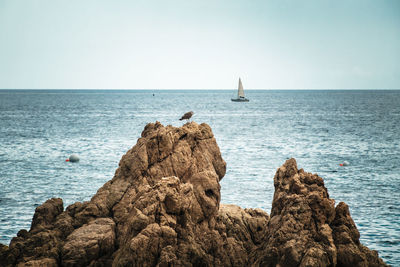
(305, 228)
(162, 208)
(350, 252)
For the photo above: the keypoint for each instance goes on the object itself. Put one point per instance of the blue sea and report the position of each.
(39, 129)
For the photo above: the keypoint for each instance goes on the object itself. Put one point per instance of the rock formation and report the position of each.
(305, 228)
(162, 208)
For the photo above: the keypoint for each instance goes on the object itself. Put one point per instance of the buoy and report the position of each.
(73, 158)
(345, 163)
(67, 160)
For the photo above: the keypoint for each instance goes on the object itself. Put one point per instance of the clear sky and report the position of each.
(202, 44)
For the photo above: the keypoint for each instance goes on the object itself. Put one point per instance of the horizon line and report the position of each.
(202, 89)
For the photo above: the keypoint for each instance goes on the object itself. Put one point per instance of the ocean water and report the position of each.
(39, 129)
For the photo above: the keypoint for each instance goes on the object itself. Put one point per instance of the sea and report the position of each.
(321, 129)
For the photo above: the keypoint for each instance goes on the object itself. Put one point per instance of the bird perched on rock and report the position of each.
(187, 115)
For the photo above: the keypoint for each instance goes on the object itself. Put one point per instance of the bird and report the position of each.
(187, 115)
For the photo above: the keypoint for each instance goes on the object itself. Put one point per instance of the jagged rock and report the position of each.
(46, 213)
(350, 252)
(4, 251)
(42, 240)
(89, 243)
(162, 208)
(305, 229)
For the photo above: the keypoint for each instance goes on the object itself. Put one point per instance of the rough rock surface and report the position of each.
(305, 228)
(162, 208)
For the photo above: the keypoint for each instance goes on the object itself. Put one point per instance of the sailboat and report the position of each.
(240, 95)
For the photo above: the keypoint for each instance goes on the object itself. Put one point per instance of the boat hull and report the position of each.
(239, 100)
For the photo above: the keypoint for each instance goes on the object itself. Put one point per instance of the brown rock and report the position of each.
(89, 243)
(46, 262)
(298, 231)
(305, 229)
(4, 251)
(350, 252)
(162, 208)
(46, 213)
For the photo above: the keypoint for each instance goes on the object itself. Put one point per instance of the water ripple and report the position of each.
(39, 130)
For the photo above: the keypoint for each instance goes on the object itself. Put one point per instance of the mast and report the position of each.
(240, 89)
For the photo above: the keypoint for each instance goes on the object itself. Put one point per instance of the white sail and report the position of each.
(240, 94)
(240, 89)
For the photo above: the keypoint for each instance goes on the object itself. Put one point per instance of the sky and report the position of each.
(207, 44)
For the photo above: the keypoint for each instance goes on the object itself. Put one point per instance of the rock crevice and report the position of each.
(162, 208)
